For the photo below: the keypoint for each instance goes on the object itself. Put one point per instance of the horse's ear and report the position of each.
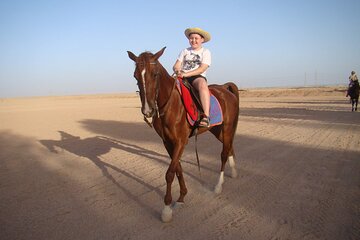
(159, 53)
(132, 56)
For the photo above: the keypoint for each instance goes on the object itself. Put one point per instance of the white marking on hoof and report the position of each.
(218, 187)
(166, 214)
(234, 173)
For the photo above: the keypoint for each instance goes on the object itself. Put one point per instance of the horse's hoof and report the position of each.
(166, 214)
(178, 205)
(218, 189)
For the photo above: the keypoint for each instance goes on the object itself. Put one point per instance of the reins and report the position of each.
(164, 107)
(196, 151)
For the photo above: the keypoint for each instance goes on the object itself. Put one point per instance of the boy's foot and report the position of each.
(204, 122)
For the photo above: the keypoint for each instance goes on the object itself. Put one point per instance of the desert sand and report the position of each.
(89, 167)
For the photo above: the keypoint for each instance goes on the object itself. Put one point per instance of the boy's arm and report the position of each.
(177, 67)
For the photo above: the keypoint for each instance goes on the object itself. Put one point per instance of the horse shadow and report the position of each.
(92, 148)
(141, 132)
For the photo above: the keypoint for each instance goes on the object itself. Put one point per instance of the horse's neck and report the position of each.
(166, 87)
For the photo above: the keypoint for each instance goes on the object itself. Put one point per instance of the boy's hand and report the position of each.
(180, 73)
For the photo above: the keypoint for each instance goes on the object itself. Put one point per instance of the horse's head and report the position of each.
(146, 73)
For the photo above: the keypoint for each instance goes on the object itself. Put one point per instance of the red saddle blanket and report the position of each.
(216, 116)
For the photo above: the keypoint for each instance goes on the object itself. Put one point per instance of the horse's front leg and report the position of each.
(183, 189)
(174, 168)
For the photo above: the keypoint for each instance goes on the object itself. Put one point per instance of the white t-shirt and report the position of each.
(191, 59)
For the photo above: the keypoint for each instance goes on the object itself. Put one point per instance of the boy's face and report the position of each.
(196, 40)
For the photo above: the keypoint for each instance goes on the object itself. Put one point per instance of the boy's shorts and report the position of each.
(192, 78)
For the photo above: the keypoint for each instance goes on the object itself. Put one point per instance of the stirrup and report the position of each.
(204, 122)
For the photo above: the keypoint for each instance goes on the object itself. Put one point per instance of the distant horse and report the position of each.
(161, 101)
(353, 92)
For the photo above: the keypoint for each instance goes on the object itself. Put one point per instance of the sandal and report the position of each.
(204, 122)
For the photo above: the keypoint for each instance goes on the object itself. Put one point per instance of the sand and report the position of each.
(88, 167)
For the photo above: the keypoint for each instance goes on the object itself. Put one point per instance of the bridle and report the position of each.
(159, 111)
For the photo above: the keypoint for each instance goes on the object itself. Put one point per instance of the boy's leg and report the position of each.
(200, 84)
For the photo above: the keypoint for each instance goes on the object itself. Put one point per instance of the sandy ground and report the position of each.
(88, 167)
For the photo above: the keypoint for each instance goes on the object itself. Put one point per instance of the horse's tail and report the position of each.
(233, 89)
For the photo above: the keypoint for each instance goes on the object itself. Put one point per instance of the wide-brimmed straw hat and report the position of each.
(199, 31)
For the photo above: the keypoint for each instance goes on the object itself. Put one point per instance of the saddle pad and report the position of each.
(216, 116)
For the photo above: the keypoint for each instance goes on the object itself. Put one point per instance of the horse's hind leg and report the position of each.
(224, 158)
(353, 103)
(226, 154)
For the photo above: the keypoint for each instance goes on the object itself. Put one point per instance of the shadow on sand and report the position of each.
(92, 148)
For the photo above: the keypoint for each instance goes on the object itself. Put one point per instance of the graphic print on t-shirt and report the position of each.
(191, 62)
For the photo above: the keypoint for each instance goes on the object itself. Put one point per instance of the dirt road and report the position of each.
(88, 167)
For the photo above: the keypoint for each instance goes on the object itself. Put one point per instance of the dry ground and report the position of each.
(88, 167)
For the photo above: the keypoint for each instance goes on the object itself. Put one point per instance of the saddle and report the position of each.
(191, 100)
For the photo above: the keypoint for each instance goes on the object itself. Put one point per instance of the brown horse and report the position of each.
(161, 102)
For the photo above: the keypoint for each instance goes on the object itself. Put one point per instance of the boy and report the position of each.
(192, 64)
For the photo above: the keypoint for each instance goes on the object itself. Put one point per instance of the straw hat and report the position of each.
(199, 31)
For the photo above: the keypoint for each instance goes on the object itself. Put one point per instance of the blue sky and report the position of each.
(79, 47)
